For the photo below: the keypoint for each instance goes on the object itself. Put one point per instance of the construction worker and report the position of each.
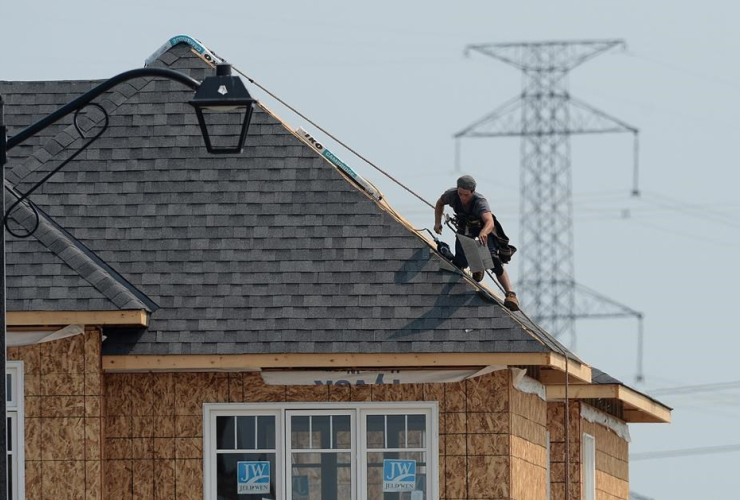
(473, 218)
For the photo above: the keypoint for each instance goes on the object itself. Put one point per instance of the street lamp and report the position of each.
(220, 93)
(223, 93)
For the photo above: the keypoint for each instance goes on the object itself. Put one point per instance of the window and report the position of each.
(331, 451)
(394, 444)
(14, 416)
(588, 456)
(246, 453)
(321, 454)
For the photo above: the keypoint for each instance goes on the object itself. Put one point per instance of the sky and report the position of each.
(390, 79)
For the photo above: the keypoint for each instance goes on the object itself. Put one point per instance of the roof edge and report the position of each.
(244, 362)
(638, 407)
(139, 318)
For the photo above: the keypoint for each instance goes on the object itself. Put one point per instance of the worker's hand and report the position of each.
(483, 239)
(438, 228)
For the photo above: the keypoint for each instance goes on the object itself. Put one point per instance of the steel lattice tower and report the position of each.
(545, 116)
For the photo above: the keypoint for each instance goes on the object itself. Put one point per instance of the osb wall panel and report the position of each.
(556, 427)
(63, 417)
(153, 429)
(612, 465)
(528, 446)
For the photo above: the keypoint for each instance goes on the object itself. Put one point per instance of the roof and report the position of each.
(270, 251)
(70, 274)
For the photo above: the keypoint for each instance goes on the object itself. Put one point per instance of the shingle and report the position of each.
(268, 251)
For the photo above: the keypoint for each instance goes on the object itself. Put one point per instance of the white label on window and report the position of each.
(252, 477)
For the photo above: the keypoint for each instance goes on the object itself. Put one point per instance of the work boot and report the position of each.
(478, 276)
(511, 302)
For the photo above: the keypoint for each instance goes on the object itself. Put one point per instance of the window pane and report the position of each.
(299, 437)
(342, 434)
(226, 475)
(320, 435)
(245, 433)
(380, 487)
(416, 432)
(225, 433)
(321, 476)
(8, 387)
(266, 433)
(376, 431)
(396, 431)
(9, 428)
(10, 478)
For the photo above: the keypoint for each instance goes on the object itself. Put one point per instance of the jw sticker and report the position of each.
(300, 488)
(252, 477)
(399, 475)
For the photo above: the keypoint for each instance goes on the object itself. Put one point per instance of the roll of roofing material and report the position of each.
(323, 151)
(196, 46)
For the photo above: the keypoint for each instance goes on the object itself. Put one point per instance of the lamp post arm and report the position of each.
(91, 94)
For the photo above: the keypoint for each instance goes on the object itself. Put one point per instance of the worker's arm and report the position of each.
(487, 228)
(439, 209)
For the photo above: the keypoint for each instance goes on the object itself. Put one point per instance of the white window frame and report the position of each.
(548, 478)
(282, 411)
(289, 446)
(588, 461)
(210, 412)
(431, 444)
(14, 411)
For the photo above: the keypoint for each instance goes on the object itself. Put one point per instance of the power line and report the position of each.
(680, 69)
(685, 452)
(690, 389)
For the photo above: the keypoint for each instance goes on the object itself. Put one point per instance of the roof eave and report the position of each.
(128, 318)
(243, 362)
(637, 407)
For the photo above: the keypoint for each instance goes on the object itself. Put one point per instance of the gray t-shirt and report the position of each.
(478, 205)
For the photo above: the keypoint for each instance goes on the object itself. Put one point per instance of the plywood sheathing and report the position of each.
(63, 424)
(612, 465)
(153, 428)
(528, 445)
(153, 432)
(556, 427)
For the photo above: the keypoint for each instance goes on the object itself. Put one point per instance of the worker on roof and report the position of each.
(473, 218)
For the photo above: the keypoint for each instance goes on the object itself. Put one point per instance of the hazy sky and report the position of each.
(390, 79)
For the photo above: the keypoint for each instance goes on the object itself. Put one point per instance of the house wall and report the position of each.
(528, 446)
(556, 427)
(612, 460)
(153, 430)
(63, 424)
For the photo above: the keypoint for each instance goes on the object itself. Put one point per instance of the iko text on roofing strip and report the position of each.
(319, 148)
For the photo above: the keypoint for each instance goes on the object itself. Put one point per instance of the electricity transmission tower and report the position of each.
(545, 116)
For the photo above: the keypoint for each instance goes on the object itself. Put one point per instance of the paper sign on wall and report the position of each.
(361, 377)
(252, 477)
(399, 475)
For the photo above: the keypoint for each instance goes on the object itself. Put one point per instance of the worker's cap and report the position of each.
(466, 182)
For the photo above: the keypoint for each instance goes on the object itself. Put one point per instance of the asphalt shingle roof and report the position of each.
(270, 251)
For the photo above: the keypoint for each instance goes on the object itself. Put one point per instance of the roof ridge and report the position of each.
(88, 265)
